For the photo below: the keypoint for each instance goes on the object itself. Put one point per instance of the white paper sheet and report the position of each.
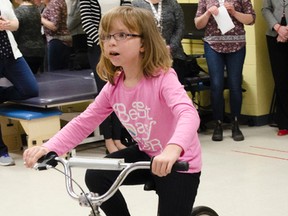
(223, 20)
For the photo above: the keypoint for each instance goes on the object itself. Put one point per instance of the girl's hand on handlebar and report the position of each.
(162, 164)
(32, 155)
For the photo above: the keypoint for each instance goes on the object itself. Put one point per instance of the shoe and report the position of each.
(218, 132)
(6, 160)
(236, 132)
(282, 132)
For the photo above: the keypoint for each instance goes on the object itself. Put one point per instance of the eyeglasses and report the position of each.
(117, 36)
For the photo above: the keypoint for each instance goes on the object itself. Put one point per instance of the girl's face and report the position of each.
(121, 46)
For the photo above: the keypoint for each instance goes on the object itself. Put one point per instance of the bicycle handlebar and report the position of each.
(51, 160)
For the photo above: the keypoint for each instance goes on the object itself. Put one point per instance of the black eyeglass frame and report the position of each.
(119, 36)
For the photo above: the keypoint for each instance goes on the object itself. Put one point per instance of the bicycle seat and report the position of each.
(149, 185)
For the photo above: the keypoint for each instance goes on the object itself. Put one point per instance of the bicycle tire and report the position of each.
(203, 211)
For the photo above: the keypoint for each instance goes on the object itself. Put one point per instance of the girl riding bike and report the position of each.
(144, 91)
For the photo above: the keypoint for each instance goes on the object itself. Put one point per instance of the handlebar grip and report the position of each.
(180, 166)
(177, 166)
(46, 161)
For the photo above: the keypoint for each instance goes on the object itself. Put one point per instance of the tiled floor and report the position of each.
(246, 178)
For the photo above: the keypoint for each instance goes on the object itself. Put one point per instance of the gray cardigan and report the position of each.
(172, 23)
(272, 12)
(74, 24)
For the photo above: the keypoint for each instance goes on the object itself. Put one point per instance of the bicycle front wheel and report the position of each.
(203, 211)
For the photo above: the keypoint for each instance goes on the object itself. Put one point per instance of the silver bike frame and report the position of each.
(102, 164)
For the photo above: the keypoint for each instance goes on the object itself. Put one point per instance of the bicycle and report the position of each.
(93, 200)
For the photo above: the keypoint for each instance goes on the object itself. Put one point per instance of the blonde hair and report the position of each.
(156, 54)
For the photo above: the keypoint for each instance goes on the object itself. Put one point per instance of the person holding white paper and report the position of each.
(225, 50)
(223, 20)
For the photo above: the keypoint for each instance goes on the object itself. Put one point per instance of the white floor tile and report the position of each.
(247, 178)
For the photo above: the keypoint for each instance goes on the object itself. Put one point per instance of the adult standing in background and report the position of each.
(79, 55)
(14, 68)
(41, 5)
(225, 51)
(169, 17)
(28, 36)
(91, 11)
(275, 13)
(59, 40)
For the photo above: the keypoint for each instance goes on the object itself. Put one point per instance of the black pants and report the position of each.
(3, 147)
(186, 68)
(176, 191)
(111, 126)
(278, 53)
(35, 63)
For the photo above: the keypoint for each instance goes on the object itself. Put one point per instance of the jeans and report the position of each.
(58, 55)
(24, 85)
(233, 62)
(3, 147)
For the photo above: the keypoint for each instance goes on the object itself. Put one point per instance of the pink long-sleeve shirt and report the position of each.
(156, 112)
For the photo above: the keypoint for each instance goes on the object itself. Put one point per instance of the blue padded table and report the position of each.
(26, 112)
(40, 124)
(63, 87)
(39, 116)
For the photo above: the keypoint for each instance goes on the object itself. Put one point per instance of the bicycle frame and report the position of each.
(94, 200)
(91, 199)
(107, 164)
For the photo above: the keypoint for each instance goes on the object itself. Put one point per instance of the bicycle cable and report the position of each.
(79, 186)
